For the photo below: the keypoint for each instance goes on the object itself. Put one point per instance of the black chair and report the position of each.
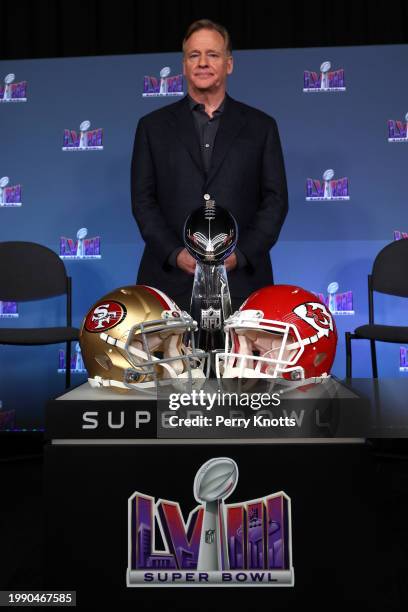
(389, 275)
(28, 272)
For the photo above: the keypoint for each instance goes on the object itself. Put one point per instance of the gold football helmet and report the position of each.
(133, 338)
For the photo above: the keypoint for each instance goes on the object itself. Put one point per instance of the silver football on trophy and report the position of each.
(333, 288)
(328, 174)
(325, 67)
(216, 479)
(85, 125)
(82, 233)
(210, 233)
(164, 72)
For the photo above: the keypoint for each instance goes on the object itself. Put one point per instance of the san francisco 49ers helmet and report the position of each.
(280, 331)
(132, 338)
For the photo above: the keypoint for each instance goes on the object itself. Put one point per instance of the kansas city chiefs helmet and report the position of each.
(133, 338)
(280, 331)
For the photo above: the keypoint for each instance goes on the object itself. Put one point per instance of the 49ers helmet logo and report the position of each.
(105, 316)
(317, 315)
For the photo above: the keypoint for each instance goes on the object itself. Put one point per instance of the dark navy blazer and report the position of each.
(247, 176)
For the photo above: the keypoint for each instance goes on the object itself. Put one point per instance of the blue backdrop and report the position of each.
(346, 129)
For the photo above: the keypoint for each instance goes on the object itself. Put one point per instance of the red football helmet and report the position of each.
(280, 331)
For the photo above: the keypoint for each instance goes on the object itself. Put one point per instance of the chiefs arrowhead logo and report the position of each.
(317, 315)
(105, 316)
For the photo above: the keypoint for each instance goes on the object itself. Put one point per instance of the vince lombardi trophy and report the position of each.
(215, 480)
(210, 236)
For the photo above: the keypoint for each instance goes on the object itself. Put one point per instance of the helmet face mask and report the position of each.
(280, 332)
(143, 347)
(259, 349)
(269, 352)
(159, 353)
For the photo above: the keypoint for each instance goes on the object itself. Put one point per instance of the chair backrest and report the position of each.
(390, 269)
(30, 271)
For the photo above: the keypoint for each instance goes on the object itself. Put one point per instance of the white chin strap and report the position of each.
(197, 380)
(98, 382)
(224, 369)
(238, 372)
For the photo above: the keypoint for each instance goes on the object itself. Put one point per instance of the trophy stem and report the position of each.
(213, 555)
(210, 304)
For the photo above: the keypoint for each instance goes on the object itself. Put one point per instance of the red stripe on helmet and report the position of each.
(165, 301)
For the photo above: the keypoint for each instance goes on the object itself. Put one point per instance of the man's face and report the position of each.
(206, 63)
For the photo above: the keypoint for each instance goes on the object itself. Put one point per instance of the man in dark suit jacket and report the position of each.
(207, 143)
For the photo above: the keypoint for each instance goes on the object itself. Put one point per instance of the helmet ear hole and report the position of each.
(320, 357)
(104, 361)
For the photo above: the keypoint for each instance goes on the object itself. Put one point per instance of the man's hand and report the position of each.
(186, 262)
(231, 262)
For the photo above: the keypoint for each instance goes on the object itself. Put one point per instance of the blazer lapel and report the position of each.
(232, 121)
(185, 130)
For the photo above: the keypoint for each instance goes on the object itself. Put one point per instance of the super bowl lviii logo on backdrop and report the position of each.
(10, 195)
(11, 91)
(77, 363)
(241, 544)
(84, 139)
(324, 80)
(400, 235)
(403, 359)
(398, 130)
(327, 189)
(338, 303)
(163, 85)
(82, 247)
(8, 310)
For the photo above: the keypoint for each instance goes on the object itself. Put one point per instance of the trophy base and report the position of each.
(210, 305)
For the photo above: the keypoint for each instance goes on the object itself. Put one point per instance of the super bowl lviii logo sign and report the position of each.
(163, 85)
(403, 359)
(77, 363)
(242, 544)
(8, 310)
(327, 189)
(84, 139)
(339, 303)
(82, 247)
(10, 195)
(325, 80)
(398, 130)
(10, 91)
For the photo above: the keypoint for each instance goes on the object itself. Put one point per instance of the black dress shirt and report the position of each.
(206, 128)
